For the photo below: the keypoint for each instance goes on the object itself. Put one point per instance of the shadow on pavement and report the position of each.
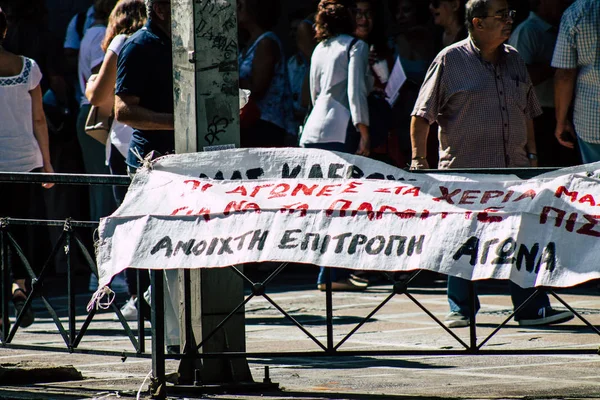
(306, 320)
(350, 362)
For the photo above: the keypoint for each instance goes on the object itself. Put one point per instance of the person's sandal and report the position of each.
(19, 303)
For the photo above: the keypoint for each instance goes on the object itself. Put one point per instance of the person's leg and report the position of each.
(117, 166)
(458, 296)
(94, 158)
(590, 152)
(25, 201)
(538, 311)
(172, 337)
(337, 274)
(519, 295)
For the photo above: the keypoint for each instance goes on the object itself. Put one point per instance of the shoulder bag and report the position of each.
(98, 123)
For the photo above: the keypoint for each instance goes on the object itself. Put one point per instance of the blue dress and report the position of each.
(276, 106)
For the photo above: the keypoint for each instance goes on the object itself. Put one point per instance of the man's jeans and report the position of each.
(590, 152)
(459, 301)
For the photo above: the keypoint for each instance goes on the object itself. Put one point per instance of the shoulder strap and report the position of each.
(352, 43)
(80, 22)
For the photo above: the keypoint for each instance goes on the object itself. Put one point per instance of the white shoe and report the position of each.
(129, 310)
(456, 320)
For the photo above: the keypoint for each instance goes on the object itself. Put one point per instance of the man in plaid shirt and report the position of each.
(480, 94)
(577, 59)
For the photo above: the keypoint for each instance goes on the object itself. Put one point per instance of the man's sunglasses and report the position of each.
(504, 16)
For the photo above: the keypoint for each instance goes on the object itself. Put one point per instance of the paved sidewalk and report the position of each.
(399, 325)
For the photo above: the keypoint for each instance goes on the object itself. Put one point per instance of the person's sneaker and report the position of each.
(547, 316)
(348, 284)
(361, 278)
(456, 320)
(129, 310)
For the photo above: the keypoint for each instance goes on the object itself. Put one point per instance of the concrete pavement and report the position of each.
(399, 325)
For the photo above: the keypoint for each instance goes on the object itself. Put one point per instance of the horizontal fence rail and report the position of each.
(70, 241)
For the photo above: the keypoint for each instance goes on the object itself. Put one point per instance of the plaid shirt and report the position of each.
(482, 109)
(578, 47)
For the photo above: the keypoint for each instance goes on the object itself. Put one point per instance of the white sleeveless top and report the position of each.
(19, 149)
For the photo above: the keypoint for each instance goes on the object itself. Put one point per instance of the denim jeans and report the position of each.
(590, 152)
(459, 301)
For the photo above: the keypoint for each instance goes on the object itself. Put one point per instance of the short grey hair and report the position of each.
(474, 9)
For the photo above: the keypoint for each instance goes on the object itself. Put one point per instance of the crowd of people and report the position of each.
(485, 87)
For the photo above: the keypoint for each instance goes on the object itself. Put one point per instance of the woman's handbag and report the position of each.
(98, 123)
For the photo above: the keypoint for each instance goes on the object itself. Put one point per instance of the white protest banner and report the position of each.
(536, 233)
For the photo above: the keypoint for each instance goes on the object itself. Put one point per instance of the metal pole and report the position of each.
(158, 333)
(472, 321)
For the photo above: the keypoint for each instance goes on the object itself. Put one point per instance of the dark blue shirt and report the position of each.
(145, 70)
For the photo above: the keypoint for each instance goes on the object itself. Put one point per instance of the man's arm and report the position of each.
(129, 112)
(564, 86)
(530, 147)
(419, 130)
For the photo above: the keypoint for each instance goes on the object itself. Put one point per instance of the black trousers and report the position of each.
(25, 200)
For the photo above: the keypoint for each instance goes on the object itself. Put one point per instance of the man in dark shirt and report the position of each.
(144, 101)
(144, 87)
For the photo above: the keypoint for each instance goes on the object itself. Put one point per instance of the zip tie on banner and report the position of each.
(146, 162)
(97, 299)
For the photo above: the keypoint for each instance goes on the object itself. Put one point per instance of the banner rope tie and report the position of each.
(98, 300)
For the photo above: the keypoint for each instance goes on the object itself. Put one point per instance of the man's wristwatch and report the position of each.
(532, 156)
(419, 158)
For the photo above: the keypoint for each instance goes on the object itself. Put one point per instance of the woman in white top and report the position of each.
(127, 17)
(24, 147)
(339, 85)
(339, 82)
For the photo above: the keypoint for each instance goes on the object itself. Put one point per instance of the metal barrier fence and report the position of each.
(70, 240)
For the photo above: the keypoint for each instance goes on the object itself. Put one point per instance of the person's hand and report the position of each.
(565, 134)
(419, 163)
(47, 168)
(364, 146)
